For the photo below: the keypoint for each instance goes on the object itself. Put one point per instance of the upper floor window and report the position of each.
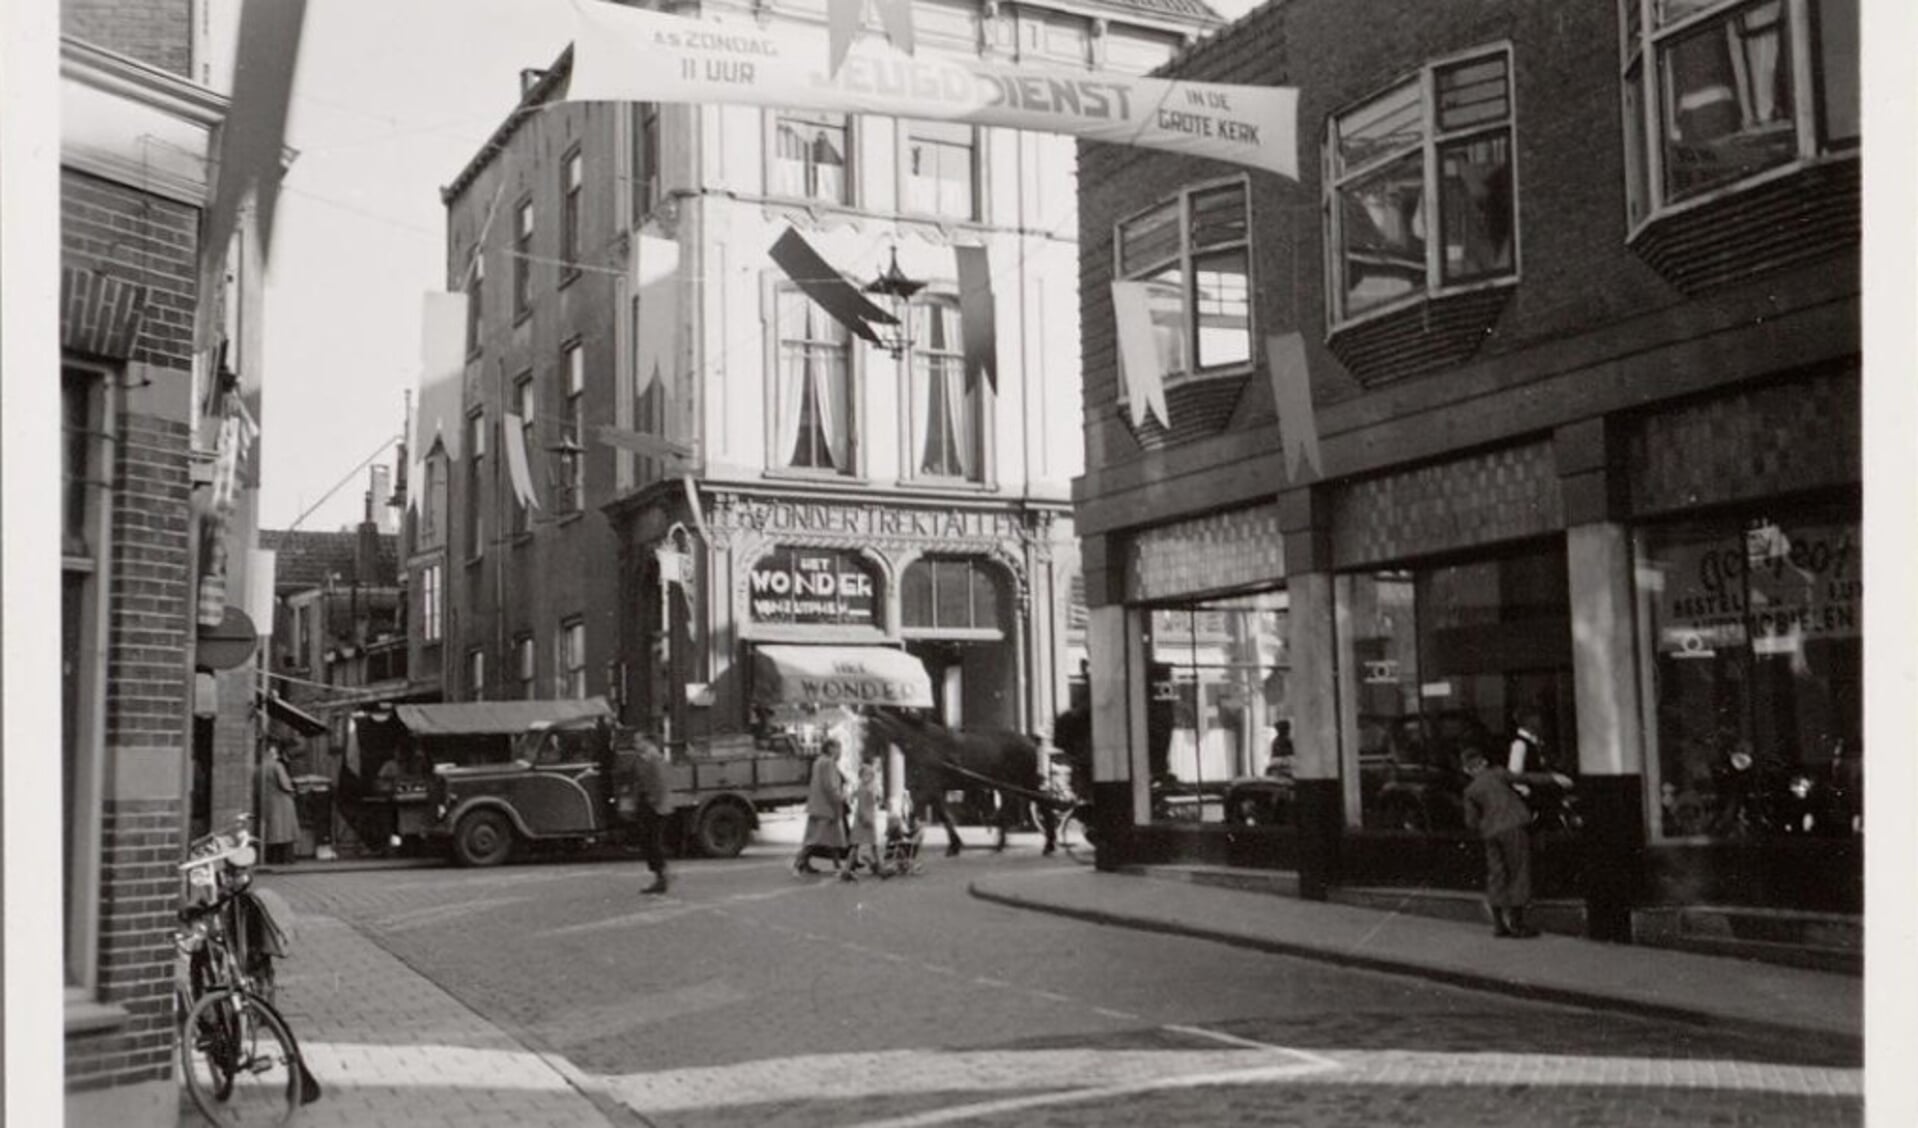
(942, 169)
(572, 434)
(1193, 250)
(1436, 147)
(476, 674)
(475, 478)
(570, 176)
(810, 156)
(525, 657)
(812, 411)
(432, 526)
(526, 404)
(1719, 91)
(645, 154)
(476, 305)
(572, 659)
(523, 259)
(430, 603)
(946, 415)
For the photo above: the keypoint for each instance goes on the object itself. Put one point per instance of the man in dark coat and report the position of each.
(655, 807)
(1500, 817)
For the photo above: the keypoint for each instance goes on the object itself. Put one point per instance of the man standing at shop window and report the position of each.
(1496, 813)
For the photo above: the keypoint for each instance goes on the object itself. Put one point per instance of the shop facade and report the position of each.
(1588, 461)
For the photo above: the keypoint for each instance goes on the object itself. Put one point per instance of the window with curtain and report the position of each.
(572, 659)
(1419, 188)
(812, 415)
(1717, 92)
(1193, 251)
(572, 431)
(947, 417)
(526, 405)
(810, 156)
(942, 163)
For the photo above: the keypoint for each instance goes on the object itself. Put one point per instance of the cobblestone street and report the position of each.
(747, 996)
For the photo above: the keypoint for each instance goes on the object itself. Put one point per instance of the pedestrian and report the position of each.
(1500, 817)
(825, 811)
(279, 817)
(655, 807)
(1526, 753)
(865, 824)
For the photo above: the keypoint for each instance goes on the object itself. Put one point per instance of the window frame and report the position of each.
(524, 222)
(526, 664)
(1640, 42)
(569, 672)
(848, 196)
(644, 157)
(571, 179)
(571, 495)
(777, 460)
(1183, 259)
(475, 482)
(1431, 141)
(979, 401)
(432, 583)
(85, 745)
(476, 305)
(526, 403)
(913, 130)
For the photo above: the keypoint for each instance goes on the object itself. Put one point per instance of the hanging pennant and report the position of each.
(844, 17)
(656, 323)
(516, 465)
(976, 316)
(1139, 360)
(827, 287)
(626, 54)
(252, 144)
(1292, 392)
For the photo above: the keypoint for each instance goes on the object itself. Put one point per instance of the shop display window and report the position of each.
(1435, 660)
(1752, 649)
(1218, 718)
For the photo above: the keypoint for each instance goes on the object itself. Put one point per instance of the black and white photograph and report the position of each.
(976, 563)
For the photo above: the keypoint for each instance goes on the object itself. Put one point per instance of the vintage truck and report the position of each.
(568, 775)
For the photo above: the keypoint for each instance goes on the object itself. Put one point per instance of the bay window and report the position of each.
(1193, 253)
(1420, 187)
(1718, 92)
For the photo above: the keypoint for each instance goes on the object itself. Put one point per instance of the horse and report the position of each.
(940, 760)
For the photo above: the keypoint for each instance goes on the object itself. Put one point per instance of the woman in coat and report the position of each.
(825, 811)
(279, 818)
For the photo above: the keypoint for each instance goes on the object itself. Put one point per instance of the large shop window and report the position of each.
(813, 393)
(1218, 710)
(1443, 658)
(1754, 650)
(1717, 92)
(1192, 249)
(1437, 145)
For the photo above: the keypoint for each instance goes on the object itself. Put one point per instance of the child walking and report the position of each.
(865, 824)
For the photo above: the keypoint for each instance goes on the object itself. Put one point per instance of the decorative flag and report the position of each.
(652, 446)
(844, 17)
(1292, 392)
(827, 287)
(656, 326)
(626, 54)
(976, 316)
(516, 467)
(252, 142)
(1139, 351)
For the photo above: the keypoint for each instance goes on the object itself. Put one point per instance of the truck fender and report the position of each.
(452, 820)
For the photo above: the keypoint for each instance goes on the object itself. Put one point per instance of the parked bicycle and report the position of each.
(241, 1062)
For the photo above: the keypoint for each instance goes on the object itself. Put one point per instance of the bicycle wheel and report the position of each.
(240, 1062)
(1073, 836)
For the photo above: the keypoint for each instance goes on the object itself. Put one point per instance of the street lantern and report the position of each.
(898, 290)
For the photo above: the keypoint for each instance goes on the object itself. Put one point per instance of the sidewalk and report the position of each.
(1653, 982)
(390, 1048)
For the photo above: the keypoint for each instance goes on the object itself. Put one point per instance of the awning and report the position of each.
(298, 719)
(839, 675)
(468, 718)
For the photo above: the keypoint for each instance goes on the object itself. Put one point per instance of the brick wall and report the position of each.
(122, 232)
(156, 32)
(139, 891)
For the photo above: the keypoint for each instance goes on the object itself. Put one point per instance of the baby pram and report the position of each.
(900, 856)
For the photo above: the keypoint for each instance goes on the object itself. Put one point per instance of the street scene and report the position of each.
(556, 994)
(570, 511)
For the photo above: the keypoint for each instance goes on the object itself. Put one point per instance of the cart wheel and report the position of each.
(484, 838)
(723, 830)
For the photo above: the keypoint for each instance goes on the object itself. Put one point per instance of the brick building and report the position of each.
(144, 685)
(944, 512)
(1584, 359)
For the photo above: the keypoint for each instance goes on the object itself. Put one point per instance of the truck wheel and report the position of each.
(484, 838)
(723, 830)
